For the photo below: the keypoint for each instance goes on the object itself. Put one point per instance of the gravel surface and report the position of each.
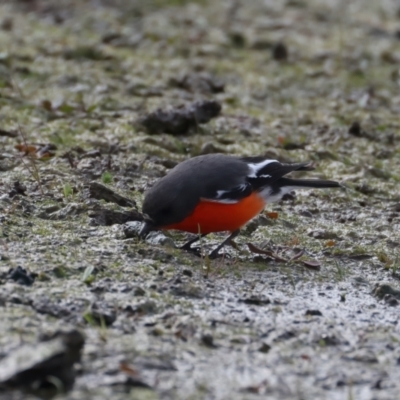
(99, 99)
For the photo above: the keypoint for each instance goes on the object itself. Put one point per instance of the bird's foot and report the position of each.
(229, 240)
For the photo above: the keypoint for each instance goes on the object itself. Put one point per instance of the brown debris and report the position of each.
(272, 215)
(257, 250)
(38, 150)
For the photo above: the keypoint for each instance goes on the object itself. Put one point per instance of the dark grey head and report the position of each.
(167, 202)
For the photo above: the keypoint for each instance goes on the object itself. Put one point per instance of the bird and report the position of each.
(219, 192)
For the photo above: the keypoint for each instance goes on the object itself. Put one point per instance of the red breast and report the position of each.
(212, 216)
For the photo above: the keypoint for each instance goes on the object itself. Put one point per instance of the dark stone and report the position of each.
(18, 188)
(314, 313)
(237, 39)
(391, 300)
(256, 300)
(279, 52)
(180, 120)
(323, 234)
(384, 290)
(21, 276)
(29, 367)
(355, 129)
(208, 340)
(264, 348)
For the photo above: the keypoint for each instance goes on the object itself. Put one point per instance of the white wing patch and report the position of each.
(254, 168)
(222, 196)
(224, 201)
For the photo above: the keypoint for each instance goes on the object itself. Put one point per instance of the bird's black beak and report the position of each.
(146, 228)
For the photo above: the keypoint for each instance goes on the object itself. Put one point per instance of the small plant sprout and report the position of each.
(107, 177)
(67, 190)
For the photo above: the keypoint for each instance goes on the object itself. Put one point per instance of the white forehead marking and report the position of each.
(254, 168)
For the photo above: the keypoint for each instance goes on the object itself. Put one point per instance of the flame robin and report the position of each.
(216, 192)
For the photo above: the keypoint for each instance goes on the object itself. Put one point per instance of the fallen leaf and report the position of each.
(40, 151)
(312, 264)
(24, 148)
(297, 256)
(256, 250)
(281, 140)
(127, 369)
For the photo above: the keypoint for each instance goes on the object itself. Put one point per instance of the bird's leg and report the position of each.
(214, 253)
(187, 245)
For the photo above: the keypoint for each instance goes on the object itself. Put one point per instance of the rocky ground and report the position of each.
(98, 99)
